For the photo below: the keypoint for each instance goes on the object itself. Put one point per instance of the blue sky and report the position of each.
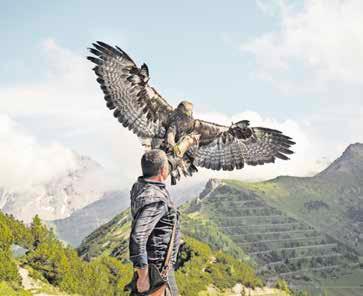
(294, 65)
(191, 47)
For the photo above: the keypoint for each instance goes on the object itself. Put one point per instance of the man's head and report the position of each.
(186, 107)
(154, 164)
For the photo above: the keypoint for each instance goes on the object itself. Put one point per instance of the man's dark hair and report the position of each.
(152, 161)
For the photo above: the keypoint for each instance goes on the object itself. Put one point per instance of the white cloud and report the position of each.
(68, 87)
(315, 46)
(304, 162)
(315, 55)
(68, 107)
(24, 161)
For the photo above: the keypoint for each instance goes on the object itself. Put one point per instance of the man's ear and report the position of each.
(164, 171)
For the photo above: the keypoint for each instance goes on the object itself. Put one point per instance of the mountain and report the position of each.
(59, 197)
(280, 243)
(331, 201)
(47, 267)
(83, 221)
(112, 237)
(348, 165)
(306, 230)
(186, 191)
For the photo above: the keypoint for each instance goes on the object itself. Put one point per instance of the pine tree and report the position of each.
(38, 231)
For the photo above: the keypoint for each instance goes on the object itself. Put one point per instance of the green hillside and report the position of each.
(331, 201)
(197, 229)
(281, 244)
(306, 230)
(49, 261)
(51, 268)
(199, 263)
(112, 237)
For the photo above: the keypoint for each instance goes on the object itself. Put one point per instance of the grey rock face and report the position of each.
(59, 197)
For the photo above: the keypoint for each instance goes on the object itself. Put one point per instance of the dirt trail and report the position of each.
(238, 288)
(37, 287)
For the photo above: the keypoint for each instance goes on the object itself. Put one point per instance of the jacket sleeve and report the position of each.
(144, 224)
(176, 239)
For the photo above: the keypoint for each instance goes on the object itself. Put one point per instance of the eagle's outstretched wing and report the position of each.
(229, 148)
(137, 105)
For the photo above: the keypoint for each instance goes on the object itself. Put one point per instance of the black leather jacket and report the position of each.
(153, 215)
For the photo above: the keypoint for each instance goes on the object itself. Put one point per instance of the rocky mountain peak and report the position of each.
(354, 150)
(209, 187)
(349, 163)
(60, 196)
(86, 162)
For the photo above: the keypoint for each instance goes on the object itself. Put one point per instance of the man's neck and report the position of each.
(155, 179)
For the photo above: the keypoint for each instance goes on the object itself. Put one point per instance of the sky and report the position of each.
(293, 65)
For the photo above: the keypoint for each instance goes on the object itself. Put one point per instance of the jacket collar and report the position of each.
(146, 181)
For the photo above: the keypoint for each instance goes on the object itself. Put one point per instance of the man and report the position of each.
(153, 215)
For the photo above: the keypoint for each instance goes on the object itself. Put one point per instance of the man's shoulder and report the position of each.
(147, 193)
(151, 193)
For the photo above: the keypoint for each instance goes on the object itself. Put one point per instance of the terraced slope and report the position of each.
(112, 237)
(331, 201)
(303, 229)
(280, 244)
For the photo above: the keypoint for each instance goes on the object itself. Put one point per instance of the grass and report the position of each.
(350, 284)
(291, 193)
(273, 189)
(287, 194)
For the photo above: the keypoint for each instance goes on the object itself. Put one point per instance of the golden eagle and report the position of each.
(189, 142)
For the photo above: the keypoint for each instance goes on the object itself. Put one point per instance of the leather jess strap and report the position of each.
(166, 265)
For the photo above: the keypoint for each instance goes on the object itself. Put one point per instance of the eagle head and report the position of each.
(186, 107)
